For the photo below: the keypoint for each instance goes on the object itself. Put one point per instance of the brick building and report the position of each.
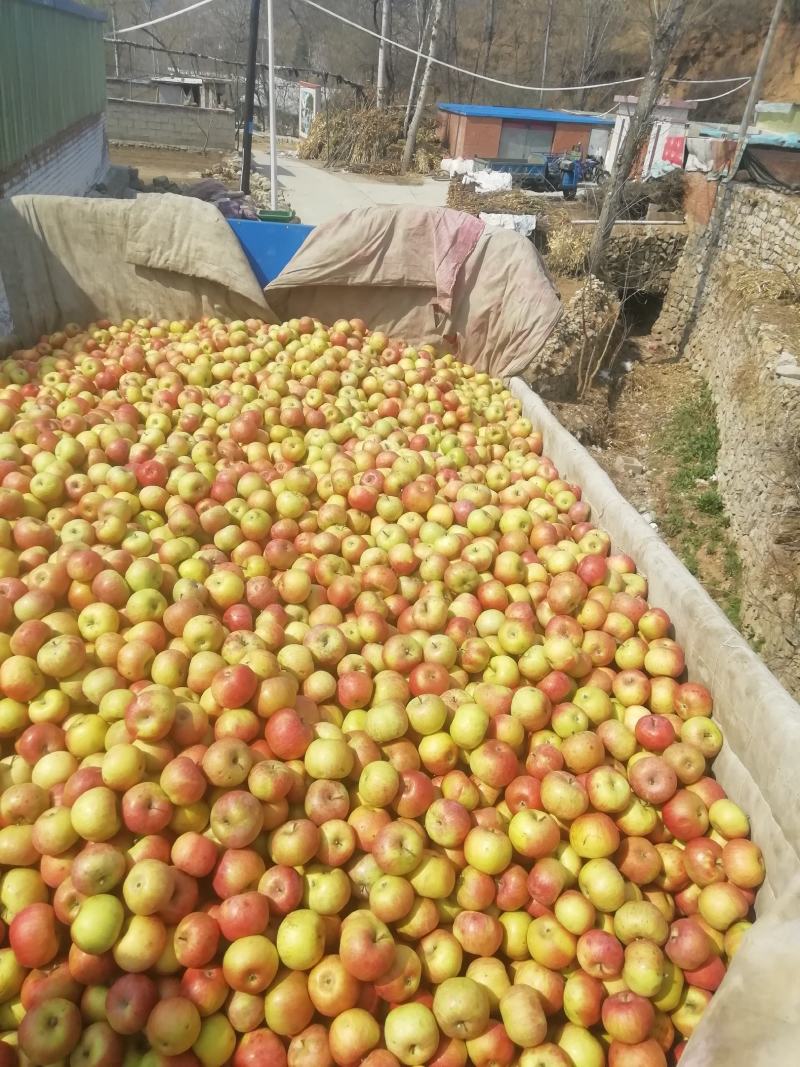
(52, 97)
(472, 131)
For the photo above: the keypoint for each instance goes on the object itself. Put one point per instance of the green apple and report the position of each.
(301, 940)
(98, 923)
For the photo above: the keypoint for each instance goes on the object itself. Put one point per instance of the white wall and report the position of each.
(69, 165)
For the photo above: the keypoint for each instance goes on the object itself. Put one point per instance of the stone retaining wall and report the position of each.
(580, 345)
(643, 258)
(746, 346)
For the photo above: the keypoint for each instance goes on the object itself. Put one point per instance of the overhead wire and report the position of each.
(719, 96)
(164, 18)
(742, 80)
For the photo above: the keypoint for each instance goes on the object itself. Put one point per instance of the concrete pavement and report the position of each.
(317, 194)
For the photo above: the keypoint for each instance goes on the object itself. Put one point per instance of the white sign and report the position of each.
(309, 105)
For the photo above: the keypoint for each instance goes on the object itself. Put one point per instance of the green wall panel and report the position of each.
(52, 74)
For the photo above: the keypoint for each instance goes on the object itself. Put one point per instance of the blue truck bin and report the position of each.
(269, 245)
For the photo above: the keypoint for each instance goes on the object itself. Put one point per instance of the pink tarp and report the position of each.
(426, 274)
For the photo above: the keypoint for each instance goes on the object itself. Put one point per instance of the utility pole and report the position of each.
(546, 48)
(380, 87)
(756, 87)
(249, 96)
(273, 129)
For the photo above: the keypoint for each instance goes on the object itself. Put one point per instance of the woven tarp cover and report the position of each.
(423, 274)
(69, 259)
(754, 1018)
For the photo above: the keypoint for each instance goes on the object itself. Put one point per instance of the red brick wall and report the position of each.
(442, 127)
(699, 195)
(567, 136)
(456, 136)
(447, 131)
(478, 137)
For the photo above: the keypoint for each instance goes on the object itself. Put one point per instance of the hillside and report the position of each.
(729, 50)
(589, 41)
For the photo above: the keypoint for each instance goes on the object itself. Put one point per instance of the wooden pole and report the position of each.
(755, 87)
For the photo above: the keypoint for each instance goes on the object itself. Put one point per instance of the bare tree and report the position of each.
(667, 16)
(380, 87)
(487, 40)
(423, 9)
(546, 48)
(411, 138)
(601, 18)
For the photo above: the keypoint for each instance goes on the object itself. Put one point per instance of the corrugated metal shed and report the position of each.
(52, 72)
(529, 114)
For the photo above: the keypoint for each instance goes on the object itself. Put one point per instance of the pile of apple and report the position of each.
(332, 731)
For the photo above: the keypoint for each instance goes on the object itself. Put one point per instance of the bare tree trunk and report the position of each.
(489, 28)
(665, 34)
(488, 38)
(423, 29)
(600, 17)
(453, 26)
(411, 139)
(548, 25)
(380, 89)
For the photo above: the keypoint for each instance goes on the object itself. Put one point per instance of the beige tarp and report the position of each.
(423, 274)
(68, 259)
(754, 1019)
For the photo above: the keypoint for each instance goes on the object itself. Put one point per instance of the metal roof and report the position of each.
(178, 79)
(529, 114)
(70, 7)
(756, 136)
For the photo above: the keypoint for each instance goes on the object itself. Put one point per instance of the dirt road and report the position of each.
(317, 194)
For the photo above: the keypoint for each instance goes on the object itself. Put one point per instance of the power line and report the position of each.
(163, 18)
(291, 69)
(513, 85)
(741, 79)
(719, 96)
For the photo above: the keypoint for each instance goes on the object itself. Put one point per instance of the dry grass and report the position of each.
(516, 202)
(665, 193)
(369, 140)
(567, 249)
(772, 285)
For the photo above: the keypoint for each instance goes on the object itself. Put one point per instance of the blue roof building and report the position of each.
(487, 132)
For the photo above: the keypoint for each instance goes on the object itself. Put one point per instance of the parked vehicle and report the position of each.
(551, 173)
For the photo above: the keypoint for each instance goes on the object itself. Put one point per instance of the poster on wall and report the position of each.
(310, 97)
(666, 149)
